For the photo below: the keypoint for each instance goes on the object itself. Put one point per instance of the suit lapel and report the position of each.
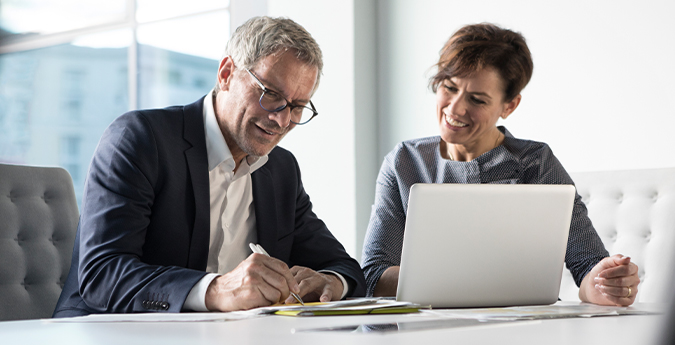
(264, 201)
(197, 162)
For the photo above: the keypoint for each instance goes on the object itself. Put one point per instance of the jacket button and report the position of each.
(164, 305)
(145, 305)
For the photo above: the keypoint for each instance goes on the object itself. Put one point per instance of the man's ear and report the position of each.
(511, 106)
(225, 72)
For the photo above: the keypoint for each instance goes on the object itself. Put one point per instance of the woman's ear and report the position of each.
(511, 106)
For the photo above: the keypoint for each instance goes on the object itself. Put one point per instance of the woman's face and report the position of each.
(468, 110)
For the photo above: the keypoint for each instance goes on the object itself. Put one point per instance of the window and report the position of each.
(62, 81)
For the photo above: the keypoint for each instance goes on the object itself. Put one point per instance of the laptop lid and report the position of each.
(484, 245)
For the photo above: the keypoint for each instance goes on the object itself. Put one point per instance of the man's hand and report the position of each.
(315, 286)
(613, 281)
(257, 281)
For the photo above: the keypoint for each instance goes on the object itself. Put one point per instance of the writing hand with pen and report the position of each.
(261, 280)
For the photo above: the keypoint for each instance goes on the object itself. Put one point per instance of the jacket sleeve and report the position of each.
(124, 177)
(302, 238)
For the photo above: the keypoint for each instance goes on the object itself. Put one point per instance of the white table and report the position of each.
(269, 330)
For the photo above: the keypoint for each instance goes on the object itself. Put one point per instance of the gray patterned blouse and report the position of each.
(420, 161)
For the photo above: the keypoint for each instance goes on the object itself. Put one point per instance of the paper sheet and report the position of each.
(556, 311)
(317, 305)
(159, 317)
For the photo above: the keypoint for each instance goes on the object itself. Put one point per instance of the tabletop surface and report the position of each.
(401, 329)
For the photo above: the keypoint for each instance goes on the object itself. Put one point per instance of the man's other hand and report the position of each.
(315, 286)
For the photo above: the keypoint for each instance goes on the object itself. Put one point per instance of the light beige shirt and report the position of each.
(232, 215)
(232, 221)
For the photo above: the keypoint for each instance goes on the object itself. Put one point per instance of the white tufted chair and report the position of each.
(634, 214)
(38, 222)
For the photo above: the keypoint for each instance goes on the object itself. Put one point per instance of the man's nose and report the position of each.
(282, 117)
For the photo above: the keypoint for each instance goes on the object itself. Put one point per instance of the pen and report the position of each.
(258, 249)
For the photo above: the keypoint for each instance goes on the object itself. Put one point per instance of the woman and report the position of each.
(481, 71)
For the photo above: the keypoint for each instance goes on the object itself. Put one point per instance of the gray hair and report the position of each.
(260, 37)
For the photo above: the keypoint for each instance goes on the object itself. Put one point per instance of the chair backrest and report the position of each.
(38, 222)
(633, 211)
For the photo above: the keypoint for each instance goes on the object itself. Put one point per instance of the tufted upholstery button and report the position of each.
(655, 197)
(619, 198)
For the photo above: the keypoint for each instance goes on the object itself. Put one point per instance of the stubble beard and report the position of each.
(252, 146)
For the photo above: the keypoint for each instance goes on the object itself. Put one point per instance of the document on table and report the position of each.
(349, 307)
(315, 305)
(555, 311)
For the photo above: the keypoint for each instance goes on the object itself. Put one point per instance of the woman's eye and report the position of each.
(450, 88)
(477, 101)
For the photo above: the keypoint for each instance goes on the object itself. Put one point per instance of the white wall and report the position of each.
(325, 146)
(337, 151)
(601, 95)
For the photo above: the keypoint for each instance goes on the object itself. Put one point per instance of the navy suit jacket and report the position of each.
(143, 235)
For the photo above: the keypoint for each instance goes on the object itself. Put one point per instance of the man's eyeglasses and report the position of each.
(273, 102)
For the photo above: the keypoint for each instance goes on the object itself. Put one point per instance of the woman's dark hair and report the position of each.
(475, 47)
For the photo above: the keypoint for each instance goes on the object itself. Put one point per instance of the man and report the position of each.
(175, 193)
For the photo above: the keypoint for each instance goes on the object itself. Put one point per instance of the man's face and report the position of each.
(248, 128)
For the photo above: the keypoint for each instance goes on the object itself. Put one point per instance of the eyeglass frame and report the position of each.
(288, 104)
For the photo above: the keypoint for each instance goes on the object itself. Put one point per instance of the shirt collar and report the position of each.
(216, 148)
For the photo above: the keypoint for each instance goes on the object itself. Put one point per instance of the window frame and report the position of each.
(21, 44)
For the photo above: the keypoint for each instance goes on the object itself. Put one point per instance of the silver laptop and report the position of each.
(484, 245)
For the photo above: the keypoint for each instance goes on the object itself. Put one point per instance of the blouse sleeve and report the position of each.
(584, 246)
(384, 237)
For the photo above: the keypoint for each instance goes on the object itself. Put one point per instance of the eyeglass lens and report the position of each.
(272, 102)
